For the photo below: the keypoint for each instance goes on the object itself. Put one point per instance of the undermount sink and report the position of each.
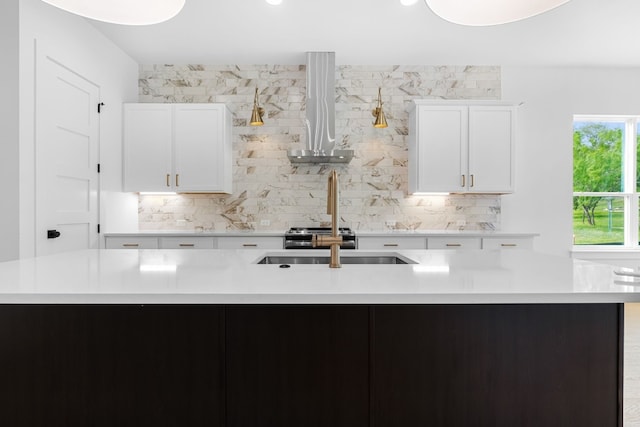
(344, 259)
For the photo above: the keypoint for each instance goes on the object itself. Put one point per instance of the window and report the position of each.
(605, 180)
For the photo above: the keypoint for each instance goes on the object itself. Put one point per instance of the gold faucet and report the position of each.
(335, 239)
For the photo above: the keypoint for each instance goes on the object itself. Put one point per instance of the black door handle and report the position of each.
(52, 234)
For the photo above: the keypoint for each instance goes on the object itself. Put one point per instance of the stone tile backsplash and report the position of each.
(269, 193)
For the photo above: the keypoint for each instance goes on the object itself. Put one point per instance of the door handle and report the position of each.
(53, 234)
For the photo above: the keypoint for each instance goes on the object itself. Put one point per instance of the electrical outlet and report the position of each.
(181, 222)
(390, 223)
(461, 223)
(265, 222)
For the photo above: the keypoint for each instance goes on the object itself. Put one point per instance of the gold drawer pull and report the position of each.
(508, 245)
(391, 244)
(250, 245)
(187, 245)
(168, 183)
(472, 181)
(454, 245)
(130, 245)
(463, 181)
(177, 180)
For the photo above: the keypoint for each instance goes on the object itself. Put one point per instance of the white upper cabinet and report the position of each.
(177, 147)
(148, 136)
(461, 147)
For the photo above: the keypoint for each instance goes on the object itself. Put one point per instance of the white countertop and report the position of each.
(231, 277)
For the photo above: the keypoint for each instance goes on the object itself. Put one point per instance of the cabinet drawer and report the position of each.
(187, 243)
(392, 242)
(507, 243)
(249, 242)
(454, 243)
(131, 242)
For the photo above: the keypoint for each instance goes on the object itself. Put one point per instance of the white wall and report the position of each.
(9, 214)
(542, 201)
(80, 46)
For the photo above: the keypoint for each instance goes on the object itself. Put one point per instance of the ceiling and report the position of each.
(382, 32)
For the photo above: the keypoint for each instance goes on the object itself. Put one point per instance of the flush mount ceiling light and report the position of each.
(490, 12)
(381, 120)
(274, 2)
(408, 2)
(125, 12)
(257, 113)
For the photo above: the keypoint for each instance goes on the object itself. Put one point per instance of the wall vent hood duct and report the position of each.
(321, 112)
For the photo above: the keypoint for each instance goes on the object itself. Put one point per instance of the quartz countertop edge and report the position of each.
(220, 276)
(419, 233)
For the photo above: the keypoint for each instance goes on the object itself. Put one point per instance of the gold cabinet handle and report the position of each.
(130, 245)
(177, 180)
(456, 245)
(463, 181)
(508, 245)
(186, 245)
(168, 183)
(391, 244)
(250, 245)
(472, 180)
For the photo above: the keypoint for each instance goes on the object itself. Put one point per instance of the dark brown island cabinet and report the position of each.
(311, 365)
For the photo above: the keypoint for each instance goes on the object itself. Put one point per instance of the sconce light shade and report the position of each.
(257, 113)
(381, 120)
(126, 12)
(490, 12)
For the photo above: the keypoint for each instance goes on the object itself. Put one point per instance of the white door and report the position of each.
(67, 133)
(199, 147)
(442, 139)
(491, 135)
(148, 136)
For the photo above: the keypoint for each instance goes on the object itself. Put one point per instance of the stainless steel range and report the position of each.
(300, 237)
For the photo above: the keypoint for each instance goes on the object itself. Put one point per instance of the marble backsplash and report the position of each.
(269, 193)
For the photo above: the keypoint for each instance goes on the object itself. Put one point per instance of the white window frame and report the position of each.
(631, 198)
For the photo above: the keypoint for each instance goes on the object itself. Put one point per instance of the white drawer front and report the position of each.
(131, 242)
(187, 243)
(507, 243)
(454, 243)
(262, 242)
(392, 242)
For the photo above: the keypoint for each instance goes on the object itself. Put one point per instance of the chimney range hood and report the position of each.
(321, 112)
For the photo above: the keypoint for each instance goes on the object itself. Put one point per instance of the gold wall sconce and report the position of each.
(257, 113)
(381, 120)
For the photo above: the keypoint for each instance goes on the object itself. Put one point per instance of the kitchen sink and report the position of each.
(344, 259)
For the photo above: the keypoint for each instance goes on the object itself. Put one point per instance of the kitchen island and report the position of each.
(209, 337)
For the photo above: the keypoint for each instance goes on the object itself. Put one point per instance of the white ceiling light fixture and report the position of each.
(125, 12)
(490, 12)
(274, 2)
(408, 2)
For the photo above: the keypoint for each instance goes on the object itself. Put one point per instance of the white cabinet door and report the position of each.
(491, 135)
(454, 242)
(187, 243)
(438, 151)
(507, 243)
(148, 133)
(177, 147)
(392, 242)
(136, 242)
(202, 148)
(461, 147)
(260, 242)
